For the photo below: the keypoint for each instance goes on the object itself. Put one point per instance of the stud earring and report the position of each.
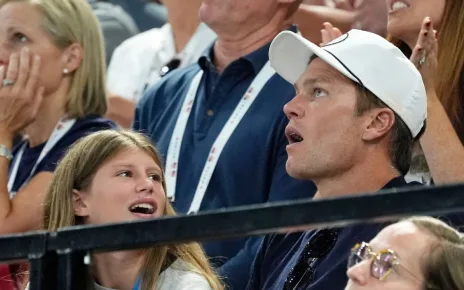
(65, 71)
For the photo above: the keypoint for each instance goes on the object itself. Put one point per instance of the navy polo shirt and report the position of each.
(280, 254)
(251, 168)
(81, 128)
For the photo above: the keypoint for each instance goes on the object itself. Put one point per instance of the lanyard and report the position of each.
(172, 159)
(60, 130)
(137, 285)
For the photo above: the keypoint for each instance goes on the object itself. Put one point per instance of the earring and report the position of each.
(65, 71)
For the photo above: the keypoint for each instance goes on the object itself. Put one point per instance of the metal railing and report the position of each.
(57, 258)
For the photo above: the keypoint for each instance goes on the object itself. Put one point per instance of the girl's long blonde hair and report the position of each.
(76, 171)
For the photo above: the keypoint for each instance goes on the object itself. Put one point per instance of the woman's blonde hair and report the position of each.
(73, 21)
(444, 266)
(76, 171)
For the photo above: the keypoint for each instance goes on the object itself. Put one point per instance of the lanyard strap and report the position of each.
(137, 284)
(172, 160)
(60, 130)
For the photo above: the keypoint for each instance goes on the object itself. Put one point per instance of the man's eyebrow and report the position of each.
(317, 80)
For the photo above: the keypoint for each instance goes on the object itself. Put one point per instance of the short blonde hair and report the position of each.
(73, 21)
(444, 266)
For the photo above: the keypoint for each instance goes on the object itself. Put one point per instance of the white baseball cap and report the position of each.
(365, 58)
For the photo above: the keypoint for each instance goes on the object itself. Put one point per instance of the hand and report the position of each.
(372, 16)
(329, 33)
(424, 55)
(20, 97)
(344, 4)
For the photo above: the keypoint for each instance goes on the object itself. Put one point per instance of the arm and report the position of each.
(121, 110)
(310, 19)
(22, 213)
(442, 148)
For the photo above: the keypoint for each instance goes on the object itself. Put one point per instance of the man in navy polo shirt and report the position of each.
(359, 105)
(220, 126)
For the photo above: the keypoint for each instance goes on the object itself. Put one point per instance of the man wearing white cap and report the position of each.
(359, 105)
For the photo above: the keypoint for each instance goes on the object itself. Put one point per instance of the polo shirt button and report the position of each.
(210, 113)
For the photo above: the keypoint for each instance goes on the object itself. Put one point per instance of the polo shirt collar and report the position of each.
(257, 58)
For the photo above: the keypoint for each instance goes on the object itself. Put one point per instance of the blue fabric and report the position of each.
(80, 129)
(251, 169)
(278, 254)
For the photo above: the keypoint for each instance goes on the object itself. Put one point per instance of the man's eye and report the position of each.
(319, 93)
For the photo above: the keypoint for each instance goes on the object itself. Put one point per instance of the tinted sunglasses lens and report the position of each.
(359, 253)
(383, 264)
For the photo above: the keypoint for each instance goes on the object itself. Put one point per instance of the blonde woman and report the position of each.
(52, 92)
(115, 176)
(419, 253)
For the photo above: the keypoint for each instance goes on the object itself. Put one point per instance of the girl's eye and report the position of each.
(319, 93)
(155, 177)
(124, 174)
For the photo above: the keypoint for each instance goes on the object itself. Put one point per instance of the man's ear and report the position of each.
(380, 123)
(80, 205)
(72, 58)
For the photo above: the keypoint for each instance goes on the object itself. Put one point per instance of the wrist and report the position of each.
(6, 138)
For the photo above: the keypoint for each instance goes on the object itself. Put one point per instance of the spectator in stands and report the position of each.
(142, 60)
(116, 176)
(417, 253)
(231, 150)
(441, 63)
(359, 105)
(117, 25)
(52, 73)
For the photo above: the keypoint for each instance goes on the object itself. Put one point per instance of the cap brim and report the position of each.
(290, 53)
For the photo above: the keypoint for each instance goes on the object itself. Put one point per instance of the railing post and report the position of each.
(43, 270)
(73, 274)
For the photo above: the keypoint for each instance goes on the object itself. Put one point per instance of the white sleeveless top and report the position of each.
(178, 276)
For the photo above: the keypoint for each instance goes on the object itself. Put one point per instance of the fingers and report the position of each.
(2, 74)
(329, 33)
(23, 73)
(33, 74)
(12, 72)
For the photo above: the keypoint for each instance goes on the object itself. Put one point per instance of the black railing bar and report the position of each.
(22, 246)
(261, 219)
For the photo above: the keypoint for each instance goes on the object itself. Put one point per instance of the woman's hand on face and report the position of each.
(425, 54)
(329, 33)
(20, 96)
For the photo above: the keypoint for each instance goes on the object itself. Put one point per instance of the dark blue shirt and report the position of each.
(81, 128)
(251, 168)
(279, 255)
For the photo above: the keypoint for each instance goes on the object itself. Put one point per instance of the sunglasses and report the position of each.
(169, 67)
(382, 264)
(318, 247)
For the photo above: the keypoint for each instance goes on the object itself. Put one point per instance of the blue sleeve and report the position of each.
(283, 187)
